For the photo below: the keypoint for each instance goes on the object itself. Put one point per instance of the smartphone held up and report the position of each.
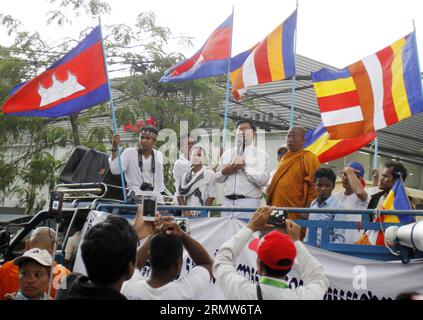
(149, 205)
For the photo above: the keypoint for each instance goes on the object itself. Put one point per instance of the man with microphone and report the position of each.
(244, 171)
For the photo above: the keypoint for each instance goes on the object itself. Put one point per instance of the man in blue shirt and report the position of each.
(324, 182)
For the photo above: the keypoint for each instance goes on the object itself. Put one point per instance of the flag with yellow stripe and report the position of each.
(373, 93)
(273, 59)
(318, 142)
(397, 199)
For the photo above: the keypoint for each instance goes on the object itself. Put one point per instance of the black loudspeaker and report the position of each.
(91, 166)
(72, 164)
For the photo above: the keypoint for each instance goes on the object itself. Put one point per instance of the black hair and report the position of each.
(325, 173)
(249, 122)
(406, 296)
(275, 273)
(107, 250)
(398, 169)
(165, 250)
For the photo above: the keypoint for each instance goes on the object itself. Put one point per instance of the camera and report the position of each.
(56, 202)
(183, 223)
(277, 218)
(149, 205)
(147, 187)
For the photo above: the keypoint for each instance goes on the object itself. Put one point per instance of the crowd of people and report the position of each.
(115, 264)
(297, 182)
(144, 260)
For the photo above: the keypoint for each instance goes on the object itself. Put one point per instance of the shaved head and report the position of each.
(295, 140)
(42, 238)
(297, 130)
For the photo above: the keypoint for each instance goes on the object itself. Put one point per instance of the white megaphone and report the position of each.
(409, 235)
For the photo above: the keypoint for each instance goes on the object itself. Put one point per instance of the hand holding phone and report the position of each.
(172, 228)
(277, 218)
(149, 205)
(183, 223)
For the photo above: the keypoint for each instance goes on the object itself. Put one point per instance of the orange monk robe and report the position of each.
(293, 185)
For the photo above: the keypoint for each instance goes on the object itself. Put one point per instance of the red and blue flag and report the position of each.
(210, 61)
(74, 83)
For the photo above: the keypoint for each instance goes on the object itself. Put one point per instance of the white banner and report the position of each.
(350, 278)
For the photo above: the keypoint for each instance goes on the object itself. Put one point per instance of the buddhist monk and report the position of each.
(292, 184)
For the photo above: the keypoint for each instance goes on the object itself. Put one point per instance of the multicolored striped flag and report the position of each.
(373, 93)
(318, 142)
(397, 199)
(210, 61)
(272, 59)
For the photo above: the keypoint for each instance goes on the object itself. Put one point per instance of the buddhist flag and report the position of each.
(318, 142)
(397, 199)
(273, 59)
(373, 93)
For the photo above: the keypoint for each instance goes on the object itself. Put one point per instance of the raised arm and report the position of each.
(356, 184)
(195, 250)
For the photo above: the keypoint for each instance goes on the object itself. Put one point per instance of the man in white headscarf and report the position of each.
(197, 186)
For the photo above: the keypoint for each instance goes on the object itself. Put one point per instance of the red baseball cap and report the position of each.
(276, 250)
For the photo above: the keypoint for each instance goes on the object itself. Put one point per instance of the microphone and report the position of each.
(243, 142)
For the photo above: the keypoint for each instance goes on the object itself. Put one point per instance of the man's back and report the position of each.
(189, 287)
(236, 286)
(81, 288)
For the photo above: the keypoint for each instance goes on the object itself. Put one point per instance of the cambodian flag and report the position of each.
(210, 61)
(75, 82)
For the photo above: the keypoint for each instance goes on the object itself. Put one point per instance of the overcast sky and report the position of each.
(337, 32)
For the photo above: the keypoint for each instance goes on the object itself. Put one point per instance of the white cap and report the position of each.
(38, 255)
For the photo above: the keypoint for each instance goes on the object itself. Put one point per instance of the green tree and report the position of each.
(139, 52)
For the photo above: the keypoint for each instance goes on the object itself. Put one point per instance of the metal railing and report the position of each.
(362, 251)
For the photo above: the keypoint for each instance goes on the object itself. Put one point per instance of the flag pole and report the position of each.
(291, 119)
(112, 108)
(375, 161)
(228, 77)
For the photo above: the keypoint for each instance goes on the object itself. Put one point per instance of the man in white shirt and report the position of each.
(244, 170)
(143, 166)
(276, 254)
(354, 196)
(197, 187)
(164, 252)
